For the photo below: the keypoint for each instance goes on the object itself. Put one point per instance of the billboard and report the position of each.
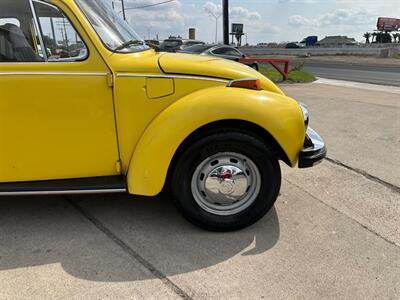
(237, 28)
(388, 24)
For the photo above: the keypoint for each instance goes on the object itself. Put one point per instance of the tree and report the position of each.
(396, 37)
(383, 37)
(374, 34)
(367, 35)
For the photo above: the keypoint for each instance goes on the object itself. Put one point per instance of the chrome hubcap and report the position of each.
(226, 183)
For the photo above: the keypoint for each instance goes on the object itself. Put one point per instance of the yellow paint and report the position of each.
(135, 111)
(159, 87)
(280, 115)
(56, 126)
(82, 124)
(212, 67)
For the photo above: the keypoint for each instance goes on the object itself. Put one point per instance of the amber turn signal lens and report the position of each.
(248, 83)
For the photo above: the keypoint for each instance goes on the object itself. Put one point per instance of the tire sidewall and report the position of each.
(249, 146)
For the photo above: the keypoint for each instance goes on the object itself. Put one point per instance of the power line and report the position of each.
(150, 5)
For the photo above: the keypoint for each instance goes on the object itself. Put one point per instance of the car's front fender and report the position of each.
(277, 114)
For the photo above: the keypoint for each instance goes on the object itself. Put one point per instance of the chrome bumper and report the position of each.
(314, 150)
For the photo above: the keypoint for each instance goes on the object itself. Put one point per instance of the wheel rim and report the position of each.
(226, 183)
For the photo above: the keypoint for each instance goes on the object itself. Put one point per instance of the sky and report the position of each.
(264, 20)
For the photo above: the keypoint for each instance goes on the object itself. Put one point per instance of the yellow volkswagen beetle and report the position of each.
(87, 107)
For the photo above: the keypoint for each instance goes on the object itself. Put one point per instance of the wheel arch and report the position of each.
(273, 118)
(230, 125)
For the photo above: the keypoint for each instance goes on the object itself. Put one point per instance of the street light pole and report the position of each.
(225, 9)
(216, 28)
(216, 16)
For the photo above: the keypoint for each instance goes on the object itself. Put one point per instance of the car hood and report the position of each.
(209, 66)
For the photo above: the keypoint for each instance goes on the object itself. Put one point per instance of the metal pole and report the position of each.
(66, 35)
(53, 32)
(225, 5)
(123, 9)
(36, 22)
(216, 30)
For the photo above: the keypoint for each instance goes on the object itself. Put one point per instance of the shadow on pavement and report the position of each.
(48, 230)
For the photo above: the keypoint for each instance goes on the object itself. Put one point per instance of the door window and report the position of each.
(61, 41)
(233, 52)
(219, 51)
(18, 37)
(227, 51)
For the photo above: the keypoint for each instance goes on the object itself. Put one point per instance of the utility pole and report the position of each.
(225, 9)
(53, 32)
(123, 9)
(66, 35)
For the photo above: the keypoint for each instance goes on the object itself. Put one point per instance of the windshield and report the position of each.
(115, 33)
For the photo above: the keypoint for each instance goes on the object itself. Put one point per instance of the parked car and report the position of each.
(125, 118)
(222, 51)
(294, 45)
(174, 45)
(153, 44)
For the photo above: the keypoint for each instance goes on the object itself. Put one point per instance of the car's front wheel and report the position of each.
(226, 181)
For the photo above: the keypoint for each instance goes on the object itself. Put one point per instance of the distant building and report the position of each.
(192, 33)
(337, 40)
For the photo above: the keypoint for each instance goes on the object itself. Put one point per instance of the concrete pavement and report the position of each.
(334, 232)
(361, 127)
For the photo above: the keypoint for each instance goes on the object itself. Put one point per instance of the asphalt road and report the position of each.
(334, 232)
(386, 75)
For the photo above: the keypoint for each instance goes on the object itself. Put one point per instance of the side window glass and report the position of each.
(18, 38)
(62, 42)
(220, 51)
(233, 52)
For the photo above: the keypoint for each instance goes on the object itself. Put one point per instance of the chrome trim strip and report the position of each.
(52, 73)
(118, 75)
(172, 76)
(70, 192)
(39, 31)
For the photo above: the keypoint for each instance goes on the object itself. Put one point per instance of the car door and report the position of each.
(56, 103)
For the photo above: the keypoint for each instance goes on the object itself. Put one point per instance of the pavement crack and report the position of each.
(341, 212)
(128, 250)
(365, 174)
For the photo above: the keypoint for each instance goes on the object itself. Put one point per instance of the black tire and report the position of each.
(237, 142)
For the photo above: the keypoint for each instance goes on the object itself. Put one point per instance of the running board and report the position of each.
(93, 185)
